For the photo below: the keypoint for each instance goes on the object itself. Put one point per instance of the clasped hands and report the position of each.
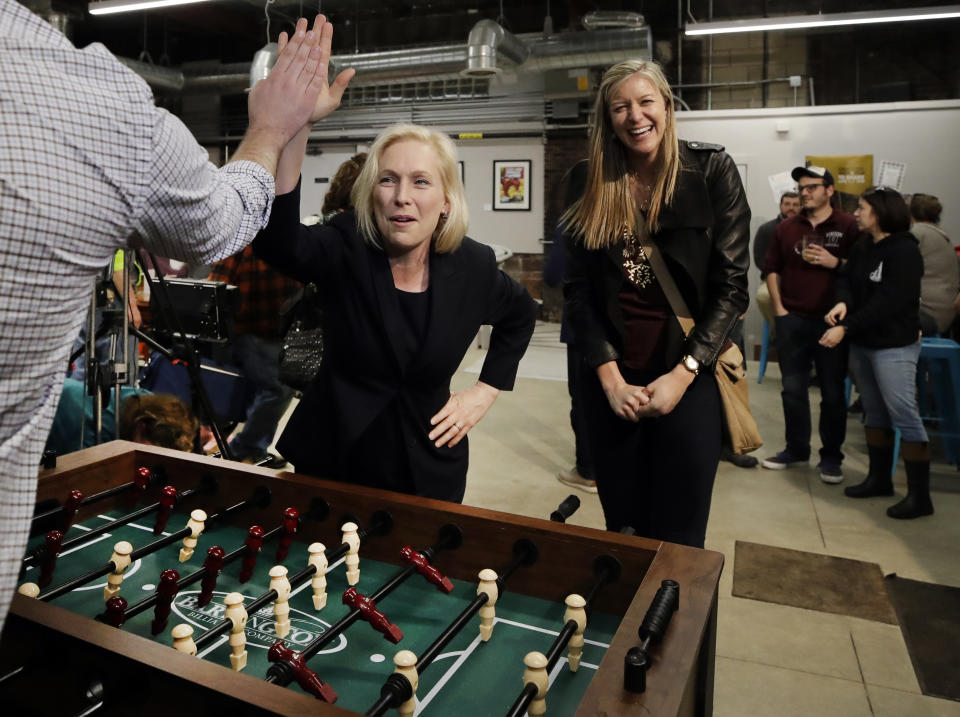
(657, 398)
(462, 411)
(834, 335)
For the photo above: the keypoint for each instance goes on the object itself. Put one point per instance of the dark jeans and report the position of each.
(657, 475)
(798, 348)
(578, 421)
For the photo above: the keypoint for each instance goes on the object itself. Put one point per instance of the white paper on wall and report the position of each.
(780, 183)
(891, 174)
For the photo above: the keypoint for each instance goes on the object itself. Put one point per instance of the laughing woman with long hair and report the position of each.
(651, 397)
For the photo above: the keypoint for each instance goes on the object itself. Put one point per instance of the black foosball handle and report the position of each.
(654, 626)
(568, 507)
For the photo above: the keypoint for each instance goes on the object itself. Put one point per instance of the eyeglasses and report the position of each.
(811, 187)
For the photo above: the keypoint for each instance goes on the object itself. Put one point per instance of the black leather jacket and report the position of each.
(704, 237)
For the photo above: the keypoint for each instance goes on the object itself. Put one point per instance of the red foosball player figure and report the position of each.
(368, 611)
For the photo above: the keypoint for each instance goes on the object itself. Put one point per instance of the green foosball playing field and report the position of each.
(469, 676)
(57, 659)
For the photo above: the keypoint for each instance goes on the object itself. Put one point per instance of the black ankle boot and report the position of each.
(917, 503)
(879, 480)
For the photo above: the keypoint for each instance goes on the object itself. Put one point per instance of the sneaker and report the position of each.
(573, 479)
(830, 472)
(784, 459)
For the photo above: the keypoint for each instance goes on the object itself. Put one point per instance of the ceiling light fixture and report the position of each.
(108, 7)
(797, 22)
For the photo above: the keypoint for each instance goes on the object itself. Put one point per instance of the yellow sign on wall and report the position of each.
(852, 173)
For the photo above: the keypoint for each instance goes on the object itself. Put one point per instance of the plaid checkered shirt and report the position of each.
(262, 292)
(87, 164)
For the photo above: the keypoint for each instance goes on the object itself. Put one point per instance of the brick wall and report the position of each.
(562, 150)
(739, 58)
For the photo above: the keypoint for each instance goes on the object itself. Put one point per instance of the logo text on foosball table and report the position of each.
(261, 631)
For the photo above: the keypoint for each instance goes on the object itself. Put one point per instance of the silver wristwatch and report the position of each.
(691, 364)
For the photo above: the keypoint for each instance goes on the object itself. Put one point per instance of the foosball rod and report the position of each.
(196, 576)
(607, 570)
(145, 477)
(279, 673)
(397, 689)
(380, 524)
(41, 551)
(259, 494)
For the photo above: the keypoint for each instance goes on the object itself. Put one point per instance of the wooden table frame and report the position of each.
(680, 681)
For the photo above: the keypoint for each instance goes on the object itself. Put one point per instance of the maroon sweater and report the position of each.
(808, 289)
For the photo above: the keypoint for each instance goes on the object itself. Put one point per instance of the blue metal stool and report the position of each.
(940, 358)
(764, 348)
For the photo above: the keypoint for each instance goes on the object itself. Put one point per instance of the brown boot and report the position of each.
(916, 458)
(879, 480)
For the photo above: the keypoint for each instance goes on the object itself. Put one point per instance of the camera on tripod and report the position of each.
(204, 310)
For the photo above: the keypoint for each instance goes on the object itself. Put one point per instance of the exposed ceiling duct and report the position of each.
(486, 39)
(529, 53)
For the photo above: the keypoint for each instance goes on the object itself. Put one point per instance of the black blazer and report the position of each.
(361, 376)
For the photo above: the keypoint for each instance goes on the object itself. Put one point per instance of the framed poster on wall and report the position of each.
(511, 184)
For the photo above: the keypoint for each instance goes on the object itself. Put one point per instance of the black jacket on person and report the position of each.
(361, 377)
(704, 237)
(880, 285)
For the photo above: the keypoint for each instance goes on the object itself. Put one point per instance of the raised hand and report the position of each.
(329, 96)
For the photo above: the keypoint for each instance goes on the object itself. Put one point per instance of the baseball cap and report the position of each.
(813, 171)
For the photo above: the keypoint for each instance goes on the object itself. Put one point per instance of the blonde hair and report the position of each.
(450, 230)
(607, 207)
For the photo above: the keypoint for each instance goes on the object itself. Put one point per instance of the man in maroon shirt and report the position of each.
(800, 265)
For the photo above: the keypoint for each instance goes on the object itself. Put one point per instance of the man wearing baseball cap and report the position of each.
(801, 264)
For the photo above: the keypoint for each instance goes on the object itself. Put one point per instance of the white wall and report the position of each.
(519, 231)
(922, 134)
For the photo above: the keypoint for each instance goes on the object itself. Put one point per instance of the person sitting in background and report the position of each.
(404, 292)
(879, 292)
(152, 419)
(941, 272)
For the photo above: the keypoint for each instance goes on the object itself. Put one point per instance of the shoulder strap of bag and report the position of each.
(667, 283)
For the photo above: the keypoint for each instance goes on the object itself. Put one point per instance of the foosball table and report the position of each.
(285, 594)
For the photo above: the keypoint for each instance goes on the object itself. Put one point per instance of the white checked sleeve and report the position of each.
(193, 211)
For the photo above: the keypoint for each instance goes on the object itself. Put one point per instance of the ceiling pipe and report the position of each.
(485, 40)
(567, 50)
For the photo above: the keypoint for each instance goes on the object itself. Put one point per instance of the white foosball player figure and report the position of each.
(352, 539)
(183, 639)
(536, 672)
(318, 558)
(120, 560)
(31, 590)
(406, 664)
(281, 607)
(488, 585)
(197, 519)
(575, 611)
(237, 615)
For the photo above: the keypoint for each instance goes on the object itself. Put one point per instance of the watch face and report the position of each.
(691, 364)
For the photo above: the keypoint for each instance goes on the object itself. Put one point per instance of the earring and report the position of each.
(444, 216)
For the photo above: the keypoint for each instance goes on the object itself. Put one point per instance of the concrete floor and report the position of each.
(771, 659)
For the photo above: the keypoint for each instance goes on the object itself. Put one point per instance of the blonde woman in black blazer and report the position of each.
(404, 292)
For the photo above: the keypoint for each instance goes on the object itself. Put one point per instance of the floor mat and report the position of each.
(812, 581)
(929, 617)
